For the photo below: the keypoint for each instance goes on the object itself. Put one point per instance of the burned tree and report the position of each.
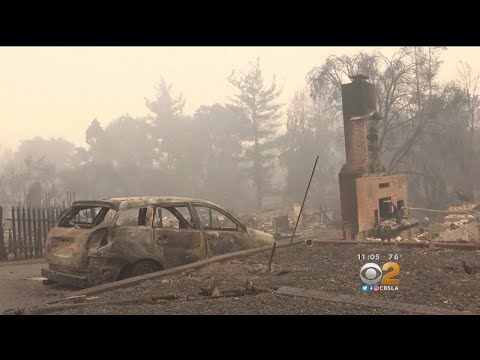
(310, 132)
(409, 101)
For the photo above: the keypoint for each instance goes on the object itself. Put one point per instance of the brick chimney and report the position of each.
(360, 121)
(364, 190)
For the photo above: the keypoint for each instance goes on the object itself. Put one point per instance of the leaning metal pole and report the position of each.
(304, 198)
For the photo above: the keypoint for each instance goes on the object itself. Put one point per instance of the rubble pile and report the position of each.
(389, 229)
(462, 222)
(258, 222)
(405, 224)
(459, 225)
(422, 237)
(464, 216)
(310, 220)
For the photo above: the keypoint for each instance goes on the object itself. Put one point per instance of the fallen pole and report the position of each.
(459, 211)
(147, 299)
(304, 198)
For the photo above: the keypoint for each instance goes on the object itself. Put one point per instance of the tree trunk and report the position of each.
(430, 72)
(417, 81)
(469, 180)
(257, 176)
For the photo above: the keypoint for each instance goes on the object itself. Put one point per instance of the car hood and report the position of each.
(261, 236)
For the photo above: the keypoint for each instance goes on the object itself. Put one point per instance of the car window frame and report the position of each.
(240, 226)
(193, 226)
(114, 222)
(95, 221)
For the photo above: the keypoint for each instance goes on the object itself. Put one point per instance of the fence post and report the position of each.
(39, 232)
(44, 227)
(14, 235)
(34, 225)
(50, 216)
(47, 219)
(24, 228)
(19, 227)
(3, 252)
(30, 244)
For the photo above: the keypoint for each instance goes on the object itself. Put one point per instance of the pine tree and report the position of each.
(258, 102)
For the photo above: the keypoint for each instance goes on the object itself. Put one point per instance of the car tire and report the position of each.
(143, 267)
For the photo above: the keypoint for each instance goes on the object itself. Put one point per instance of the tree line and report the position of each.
(254, 152)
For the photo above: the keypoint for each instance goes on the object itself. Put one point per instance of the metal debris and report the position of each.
(470, 268)
(35, 278)
(210, 290)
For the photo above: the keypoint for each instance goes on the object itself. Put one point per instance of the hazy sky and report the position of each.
(58, 91)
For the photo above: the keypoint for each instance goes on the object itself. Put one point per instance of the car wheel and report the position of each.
(143, 267)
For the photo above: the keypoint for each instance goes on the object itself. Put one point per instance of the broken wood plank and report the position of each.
(152, 298)
(48, 309)
(148, 299)
(269, 266)
(39, 278)
(369, 302)
(74, 299)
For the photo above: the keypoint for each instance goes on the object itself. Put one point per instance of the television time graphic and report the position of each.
(376, 278)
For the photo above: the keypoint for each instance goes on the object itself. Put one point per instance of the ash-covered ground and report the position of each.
(431, 277)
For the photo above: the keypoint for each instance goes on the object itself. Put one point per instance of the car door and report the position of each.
(224, 234)
(131, 235)
(177, 236)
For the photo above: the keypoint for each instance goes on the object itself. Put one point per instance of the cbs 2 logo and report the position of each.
(372, 274)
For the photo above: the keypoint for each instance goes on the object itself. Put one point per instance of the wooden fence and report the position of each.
(25, 237)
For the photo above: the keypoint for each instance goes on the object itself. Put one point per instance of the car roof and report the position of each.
(131, 202)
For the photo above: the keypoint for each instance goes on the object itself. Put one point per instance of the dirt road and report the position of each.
(18, 293)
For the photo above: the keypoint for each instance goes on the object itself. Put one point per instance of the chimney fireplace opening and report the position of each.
(400, 205)
(386, 208)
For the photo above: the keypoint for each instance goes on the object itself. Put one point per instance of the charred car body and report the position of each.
(105, 240)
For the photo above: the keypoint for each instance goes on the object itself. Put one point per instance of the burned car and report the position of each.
(106, 240)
